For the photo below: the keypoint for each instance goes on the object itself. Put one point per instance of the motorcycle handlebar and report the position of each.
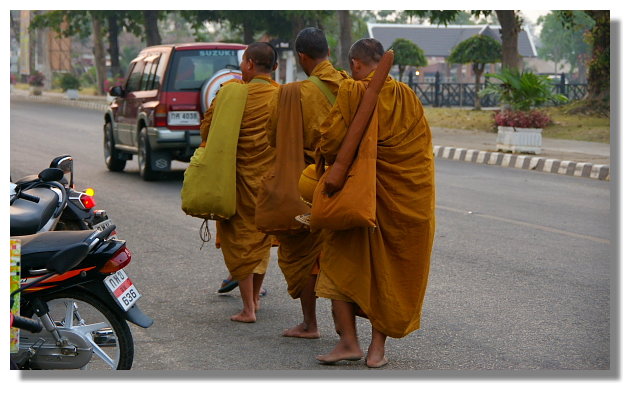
(28, 324)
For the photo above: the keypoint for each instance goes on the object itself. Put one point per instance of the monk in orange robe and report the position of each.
(245, 249)
(298, 254)
(380, 274)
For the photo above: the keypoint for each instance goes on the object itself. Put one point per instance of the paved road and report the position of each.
(520, 278)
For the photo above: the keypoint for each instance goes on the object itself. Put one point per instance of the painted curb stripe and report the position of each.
(547, 165)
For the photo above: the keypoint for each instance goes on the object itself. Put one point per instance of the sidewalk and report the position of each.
(566, 157)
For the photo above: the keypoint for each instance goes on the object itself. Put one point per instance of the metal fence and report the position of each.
(453, 94)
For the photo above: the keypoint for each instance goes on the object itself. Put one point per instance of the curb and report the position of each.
(87, 104)
(555, 166)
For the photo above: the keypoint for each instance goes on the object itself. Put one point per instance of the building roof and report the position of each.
(438, 41)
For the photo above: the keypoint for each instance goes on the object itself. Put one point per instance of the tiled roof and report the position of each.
(439, 40)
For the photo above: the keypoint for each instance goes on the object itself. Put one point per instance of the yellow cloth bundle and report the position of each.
(209, 183)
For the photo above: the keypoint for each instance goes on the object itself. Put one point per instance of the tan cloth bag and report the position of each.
(209, 182)
(279, 201)
(355, 205)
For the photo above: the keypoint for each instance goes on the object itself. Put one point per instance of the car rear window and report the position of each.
(191, 68)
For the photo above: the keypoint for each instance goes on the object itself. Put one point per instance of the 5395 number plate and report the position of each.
(122, 289)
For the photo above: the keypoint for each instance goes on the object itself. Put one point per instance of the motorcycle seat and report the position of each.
(33, 178)
(38, 249)
(28, 217)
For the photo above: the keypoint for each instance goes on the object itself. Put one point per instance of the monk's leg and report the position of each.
(248, 313)
(307, 329)
(257, 284)
(348, 346)
(375, 357)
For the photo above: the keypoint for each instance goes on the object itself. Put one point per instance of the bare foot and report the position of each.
(244, 317)
(302, 331)
(377, 363)
(340, 353)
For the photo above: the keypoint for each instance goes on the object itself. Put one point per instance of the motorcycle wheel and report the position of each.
(109, 333)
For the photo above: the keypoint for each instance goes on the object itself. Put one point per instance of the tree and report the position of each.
(76, 23)
(510, 22)
(561, 44)
(151, 24)
(510, 28)
(84, 24)
(598, 98)
(113, 43)
(478, 50)
(98, 50)
(407, 53)
(346, 37)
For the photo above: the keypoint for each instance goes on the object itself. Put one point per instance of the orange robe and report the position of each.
(299, 253)
(245, 249)
(385, 271)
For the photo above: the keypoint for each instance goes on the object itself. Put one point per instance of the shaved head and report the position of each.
(367, 50)
(263, 55)
(312, 42)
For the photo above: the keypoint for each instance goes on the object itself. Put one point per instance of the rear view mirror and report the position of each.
(116, 91)
(51, 174)
(64, 163)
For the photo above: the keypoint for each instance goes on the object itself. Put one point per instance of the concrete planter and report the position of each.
(519, 140)
(72, 94)
(35, 90)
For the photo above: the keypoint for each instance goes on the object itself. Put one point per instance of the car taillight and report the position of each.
(120, 260)
(88, 201)
(161, 115)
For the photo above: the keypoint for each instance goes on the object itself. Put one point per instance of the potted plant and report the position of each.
(36, 82)
(70, 84)
(519, 122)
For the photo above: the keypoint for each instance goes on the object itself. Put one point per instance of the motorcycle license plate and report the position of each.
(102, 225)
(122, 289)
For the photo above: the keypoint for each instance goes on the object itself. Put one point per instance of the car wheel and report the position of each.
(112, 156)
(145, 157)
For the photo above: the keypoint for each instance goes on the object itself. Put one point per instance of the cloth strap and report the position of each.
(320, 84)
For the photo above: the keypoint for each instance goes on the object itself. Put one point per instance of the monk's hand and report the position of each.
(335, 179)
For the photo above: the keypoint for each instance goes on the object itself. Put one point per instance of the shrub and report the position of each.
(522, 119)
(68, 81)
(36, 79)
(522, 90)
(89, 78)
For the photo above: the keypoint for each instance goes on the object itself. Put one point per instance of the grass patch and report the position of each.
(568, 127)
(459, 118)
(88, 91)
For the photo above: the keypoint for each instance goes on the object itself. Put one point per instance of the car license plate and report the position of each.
(122, 289)
(180, 118)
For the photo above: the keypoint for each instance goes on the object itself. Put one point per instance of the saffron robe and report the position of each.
(299, 253)
(385, 270)
(245, 249)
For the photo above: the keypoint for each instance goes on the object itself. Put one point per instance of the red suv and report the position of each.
(156, 114)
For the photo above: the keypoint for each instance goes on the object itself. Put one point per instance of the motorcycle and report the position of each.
(74, 284)
(49, 201)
